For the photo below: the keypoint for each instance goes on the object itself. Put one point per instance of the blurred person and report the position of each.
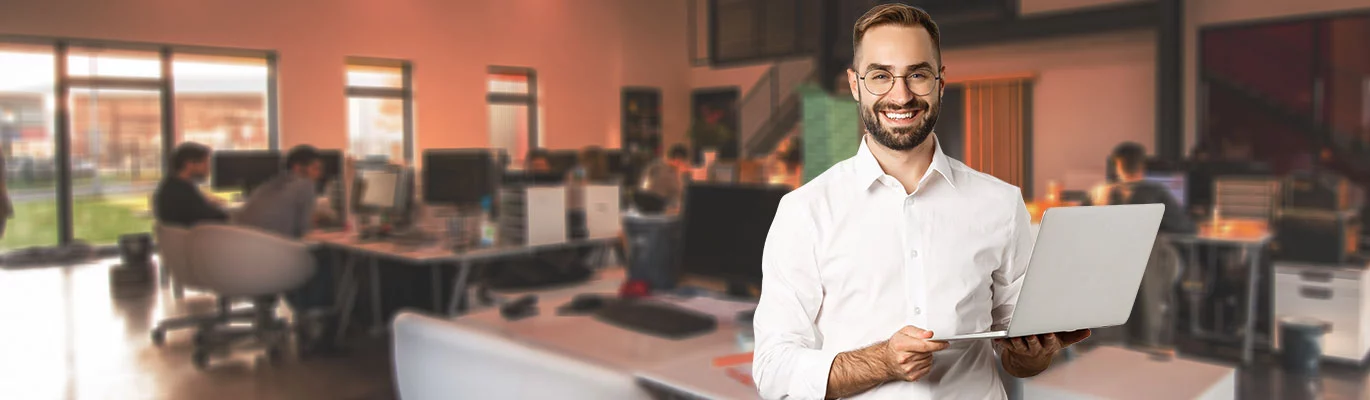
(592, 167)
(893, 244)
(1129, 162)
(284, 205)
(664, 181)
(178, 200)
(6, 209)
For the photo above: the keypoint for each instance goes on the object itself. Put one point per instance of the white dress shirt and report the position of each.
(851, 258)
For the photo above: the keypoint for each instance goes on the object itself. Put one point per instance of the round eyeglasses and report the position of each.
(879, 81)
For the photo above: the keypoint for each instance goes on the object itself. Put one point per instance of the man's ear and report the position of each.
(941, 83)
(854, 85)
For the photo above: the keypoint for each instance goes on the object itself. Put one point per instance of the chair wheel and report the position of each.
(200, 358)
(158, 337)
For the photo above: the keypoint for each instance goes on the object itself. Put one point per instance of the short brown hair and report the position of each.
(899, 15)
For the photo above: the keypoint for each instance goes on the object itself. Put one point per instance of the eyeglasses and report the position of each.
(879, 81)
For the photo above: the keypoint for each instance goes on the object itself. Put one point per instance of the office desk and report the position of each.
(435, 256)
(1115, 373)
(683, 366)
(1252, 243)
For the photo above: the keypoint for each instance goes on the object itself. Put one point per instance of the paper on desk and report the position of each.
(723, 310)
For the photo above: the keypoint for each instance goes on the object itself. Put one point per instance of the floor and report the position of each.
(66, 335)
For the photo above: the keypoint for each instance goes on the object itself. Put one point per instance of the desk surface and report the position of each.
(1115, 373)
(685, 365)
(435, 251)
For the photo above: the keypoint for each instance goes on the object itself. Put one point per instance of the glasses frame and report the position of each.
(936, 78)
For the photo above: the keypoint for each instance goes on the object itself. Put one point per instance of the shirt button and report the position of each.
(913, 253)
(917, 311)
(908, 201)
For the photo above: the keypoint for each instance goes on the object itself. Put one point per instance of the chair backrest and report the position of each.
(172, 244)
(441, 359)
(241, 261)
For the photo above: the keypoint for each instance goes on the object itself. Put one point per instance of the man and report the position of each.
(285, 205)
(664, 180)
(893, 244)
(177, 200)
(1129, 163)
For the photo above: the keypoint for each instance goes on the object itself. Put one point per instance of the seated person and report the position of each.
(284, 205)
(1129, 161)
(178, 201)
(664, 182)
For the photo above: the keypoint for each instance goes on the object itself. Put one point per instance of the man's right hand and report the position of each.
(909, 353)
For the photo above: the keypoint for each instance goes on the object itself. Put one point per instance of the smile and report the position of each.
(899, 116)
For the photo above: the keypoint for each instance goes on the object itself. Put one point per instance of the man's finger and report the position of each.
(915, 332)
(1053, 342)
(1034, 346)
(1019, 345)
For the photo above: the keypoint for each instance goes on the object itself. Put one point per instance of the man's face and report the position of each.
(198, 170)
(313, 170)
(899, 119)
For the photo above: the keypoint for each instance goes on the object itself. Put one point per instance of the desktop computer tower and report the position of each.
(532, 215)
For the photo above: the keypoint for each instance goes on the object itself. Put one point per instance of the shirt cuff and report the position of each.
(811, 373)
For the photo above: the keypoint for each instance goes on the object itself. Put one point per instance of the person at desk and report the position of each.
(177, 200)
(892, 244)
(591, 168)
(1129, 162)
(284, 205)
(663, 181)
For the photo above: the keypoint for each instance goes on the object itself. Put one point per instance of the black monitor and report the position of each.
(243, 169)
(459, 176)
(616, 162)
(724, 229)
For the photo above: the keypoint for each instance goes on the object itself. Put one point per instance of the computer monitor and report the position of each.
(562, 161)
(382, 189)
(332, 167)
(459, 176)
(724, 229)
(243, 169)
(616, 162)
(1174, 181)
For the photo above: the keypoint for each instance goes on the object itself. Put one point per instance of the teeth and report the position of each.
(905, 115)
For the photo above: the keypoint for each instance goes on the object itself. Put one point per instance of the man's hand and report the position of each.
(906, 356)
(910, 353)
(1028, 356)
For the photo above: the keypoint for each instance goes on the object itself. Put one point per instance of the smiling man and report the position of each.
(866, 261)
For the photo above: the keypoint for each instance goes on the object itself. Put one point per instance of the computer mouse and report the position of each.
(583, 304)
(520, 308)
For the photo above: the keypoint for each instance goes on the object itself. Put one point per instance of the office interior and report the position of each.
(499, 185)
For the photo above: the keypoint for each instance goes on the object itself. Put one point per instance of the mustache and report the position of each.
(914, 104)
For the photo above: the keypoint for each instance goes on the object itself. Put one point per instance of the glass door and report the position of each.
(27, 144)
(115, 143)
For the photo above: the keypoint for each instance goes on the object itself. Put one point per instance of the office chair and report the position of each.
(172, 250)
(437, 358)
(241, 262)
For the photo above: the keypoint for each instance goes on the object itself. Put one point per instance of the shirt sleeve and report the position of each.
(1008, 278)
(304, 205)
(789, 361)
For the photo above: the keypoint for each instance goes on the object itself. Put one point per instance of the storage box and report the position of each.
(1336, 294)
(1328, 237)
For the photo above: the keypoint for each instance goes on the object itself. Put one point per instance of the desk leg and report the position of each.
(1253, 275)
(347, 291)
(377, 320)
(459, 288)
(437, 287)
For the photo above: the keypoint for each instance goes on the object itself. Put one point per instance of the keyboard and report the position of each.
(657, 319)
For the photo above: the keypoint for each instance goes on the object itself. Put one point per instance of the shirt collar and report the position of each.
(868, 170)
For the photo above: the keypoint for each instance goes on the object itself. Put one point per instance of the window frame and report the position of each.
(404, 93)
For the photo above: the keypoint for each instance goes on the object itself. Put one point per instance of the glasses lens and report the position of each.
(921, 83)
(879, 82)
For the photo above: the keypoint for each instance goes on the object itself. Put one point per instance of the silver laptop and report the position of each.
(1085, 270)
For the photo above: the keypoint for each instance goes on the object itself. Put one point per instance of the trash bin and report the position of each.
(653, 249)
(1301, 344)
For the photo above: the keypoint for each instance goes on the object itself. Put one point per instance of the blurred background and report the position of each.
(1254, 115)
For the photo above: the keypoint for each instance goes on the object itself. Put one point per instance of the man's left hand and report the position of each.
(1042, 346)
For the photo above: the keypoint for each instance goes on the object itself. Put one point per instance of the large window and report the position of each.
(379, 109)
(87, 125)
(514, 113)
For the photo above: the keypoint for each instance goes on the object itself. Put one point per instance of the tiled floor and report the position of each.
(64, 336)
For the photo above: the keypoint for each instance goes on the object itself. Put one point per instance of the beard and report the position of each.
(901, 138)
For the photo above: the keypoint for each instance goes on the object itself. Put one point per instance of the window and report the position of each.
(27, 115)
(380, 109)
(222, 101)
(514, 112)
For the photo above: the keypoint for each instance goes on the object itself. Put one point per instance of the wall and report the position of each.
(1029, 7)
(1201, 13)
(1090, 93)
(583, 51)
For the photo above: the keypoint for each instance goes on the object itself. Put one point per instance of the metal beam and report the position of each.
(63, 145)
(1089, 21)
(1170, 80)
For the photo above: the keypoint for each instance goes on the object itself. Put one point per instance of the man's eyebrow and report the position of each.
(922, 65)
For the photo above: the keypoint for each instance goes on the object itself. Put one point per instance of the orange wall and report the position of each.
(1089, 94)
(584, 52)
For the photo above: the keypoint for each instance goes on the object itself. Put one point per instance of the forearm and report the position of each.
(857, 371)
(1023, 366)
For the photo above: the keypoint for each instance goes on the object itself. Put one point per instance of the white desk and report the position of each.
(1252, 246)
(685, 366)
(1114, 373)
(435, 256)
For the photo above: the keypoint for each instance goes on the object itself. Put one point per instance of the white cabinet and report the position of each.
(1338, 295)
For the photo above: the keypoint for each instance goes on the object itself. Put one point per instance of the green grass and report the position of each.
(98, 220)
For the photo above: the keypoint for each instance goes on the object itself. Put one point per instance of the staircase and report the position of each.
(769, 111)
